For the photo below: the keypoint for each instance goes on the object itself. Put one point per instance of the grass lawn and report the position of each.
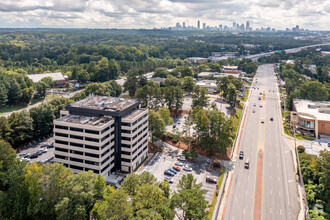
(298, 136)
(11, 108)
(215, 196)
(237, 117)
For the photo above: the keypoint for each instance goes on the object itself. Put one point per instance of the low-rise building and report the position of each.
(103, 134)
(230, 69)
(211, 85)
(198, 60)
(58, 77)
(311, 118)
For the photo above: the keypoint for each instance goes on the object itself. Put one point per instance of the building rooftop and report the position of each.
(105, 103)
(83, 120)
(207, 83)
(115, 179)
(134, 114)
(55, 76)
(320, 110)
(230, 67)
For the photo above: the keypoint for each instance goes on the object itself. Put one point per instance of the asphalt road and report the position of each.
(279, 195)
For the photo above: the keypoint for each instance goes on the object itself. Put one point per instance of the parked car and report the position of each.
(194, 134)
(271, 118)
(50, 145)
(169, 179)
(173, 170)
(211, 180)
(27, 155)
(178, 163)
(186, 168)
(35, 155)
(44, 145)
(176, 168)
(182, 158)
(168, 173)
(22, 154)
(179, 121)
(43, 150)
(241, 155)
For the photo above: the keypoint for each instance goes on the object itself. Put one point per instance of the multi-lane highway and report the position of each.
(255, 57)
(267, 190)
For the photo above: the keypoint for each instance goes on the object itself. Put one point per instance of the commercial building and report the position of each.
(198, 60)
(210, 85)
(103, 134)
(230, 69)
(58, 77)
(311, 118)
(215, 75)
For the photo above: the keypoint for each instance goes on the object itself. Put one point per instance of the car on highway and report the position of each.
(260, 105)
(262, 120)
(182, 158)
(241, 155)
(186, 168)
(271, 118)
(168, 173)
(254, 104)
(178, 163)
(247, 164)
(211, 179)
(261, 93)
(176, 168)
(169, 179)
(259, 98)
(253, 111)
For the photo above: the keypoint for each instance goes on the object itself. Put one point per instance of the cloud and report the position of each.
(311, 14)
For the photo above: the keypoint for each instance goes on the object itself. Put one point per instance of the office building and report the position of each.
(184, 24)
(311, 118)
(247, 26)
(198, 25)
(234, 25)
(204, 26)
(103, 134)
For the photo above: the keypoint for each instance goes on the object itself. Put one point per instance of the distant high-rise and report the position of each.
(220, 27)
(198, 25)
(184, 24)
(204, 26)
(234, 25)
(178, 25)
(242, 27)
(237, 26)
(247, 25)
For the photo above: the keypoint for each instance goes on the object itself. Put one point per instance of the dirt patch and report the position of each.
(153, 148)
(182, 145)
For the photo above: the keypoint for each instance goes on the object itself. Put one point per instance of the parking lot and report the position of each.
(35, 146)
(163, 161)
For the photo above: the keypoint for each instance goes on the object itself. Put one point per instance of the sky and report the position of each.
(131, 14)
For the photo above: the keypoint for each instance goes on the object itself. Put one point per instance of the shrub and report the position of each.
(301, 149)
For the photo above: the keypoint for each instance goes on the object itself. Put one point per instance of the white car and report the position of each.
(262, 120)
(186, 168)
(179, 163)
(182, 158)
(43, 150)
(169, 179)
(254, 104)
(260, 105)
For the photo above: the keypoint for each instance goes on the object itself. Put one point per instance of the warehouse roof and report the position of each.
(55, 76)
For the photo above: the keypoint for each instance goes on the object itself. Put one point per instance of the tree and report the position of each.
(27, 94)
(188, 181)
(79, 196)
(172, 81)
(3, 95)
(135, 80)
(5, 129)
(115, 205)
(156, 125)
(231, 95)
(165, 114)
(199, 97)
(43, 117)
(160, 72)
(42, 87)
(21, 125)
(312, 90)
(188, 83)
(49, 81)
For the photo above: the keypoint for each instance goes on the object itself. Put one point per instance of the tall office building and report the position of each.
(220, 27)
(247, 25)
(204, 26)
(103, 134)
(234, 25)
(184, 24)
(198, 25)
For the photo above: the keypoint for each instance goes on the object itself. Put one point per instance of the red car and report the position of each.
(176, 168)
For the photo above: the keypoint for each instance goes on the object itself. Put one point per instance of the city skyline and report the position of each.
(164, 13)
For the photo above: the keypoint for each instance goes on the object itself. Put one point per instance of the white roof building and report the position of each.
(55, 76)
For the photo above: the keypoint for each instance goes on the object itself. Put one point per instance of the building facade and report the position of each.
(102, 134)
(311, 118)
